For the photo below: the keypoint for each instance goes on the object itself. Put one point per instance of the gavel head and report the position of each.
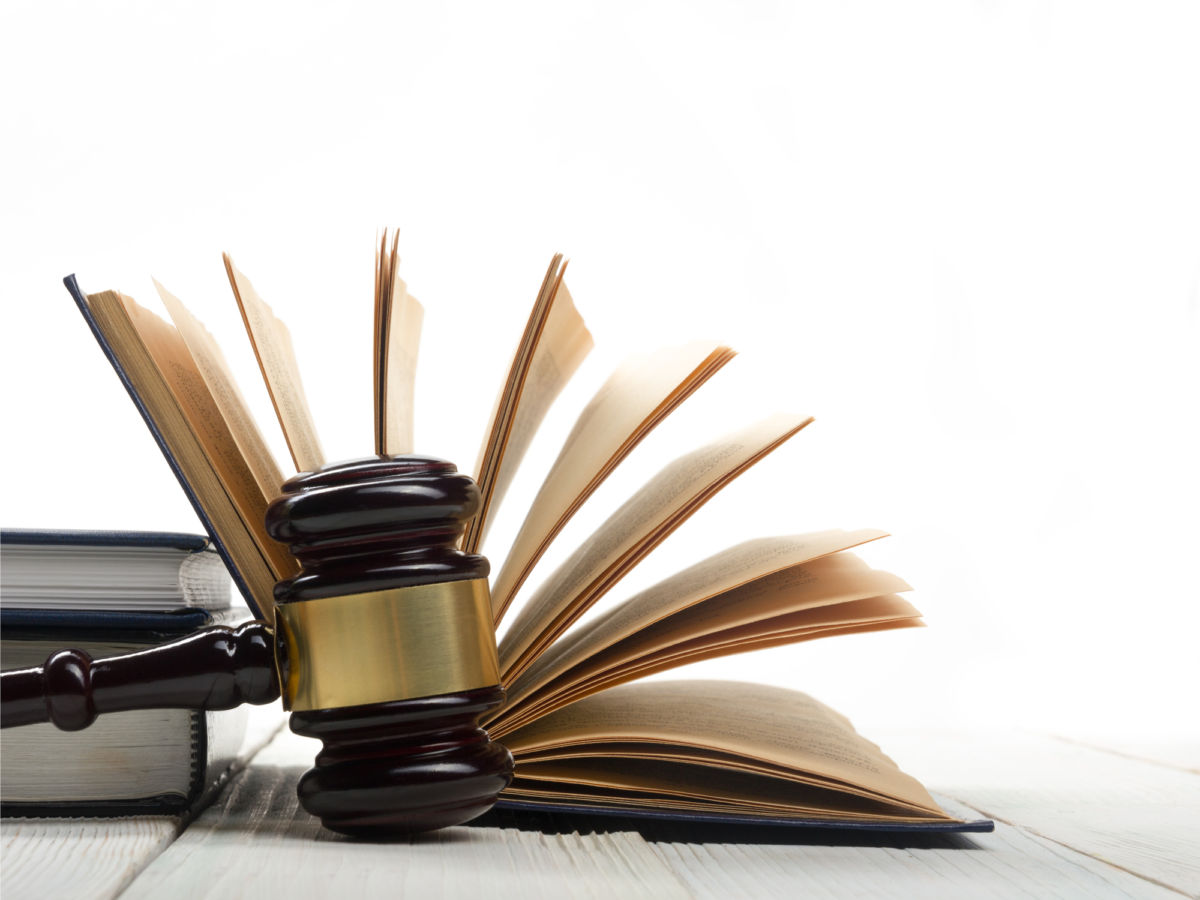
(385, 645)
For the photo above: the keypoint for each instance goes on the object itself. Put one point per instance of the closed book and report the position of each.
(108, 593)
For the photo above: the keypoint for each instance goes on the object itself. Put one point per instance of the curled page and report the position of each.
(398, 319)
(216, 373)
(642, 392)
(640, 525)
(736, 568)
(171, 388)
(637, 776)
(813, 599)
(883, 613)
(272, 344)
(554, 343)
(726, 725)
(709, 631)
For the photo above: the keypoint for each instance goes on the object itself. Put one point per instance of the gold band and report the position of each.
(386, 645)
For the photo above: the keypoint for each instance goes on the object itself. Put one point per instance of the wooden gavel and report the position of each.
(383, 648)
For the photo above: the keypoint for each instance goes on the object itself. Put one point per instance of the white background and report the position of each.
(964, 236)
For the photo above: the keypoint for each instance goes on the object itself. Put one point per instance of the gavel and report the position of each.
(383, 647)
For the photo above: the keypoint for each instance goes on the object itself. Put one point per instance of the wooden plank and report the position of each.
(1073, 809)
(80, 858)
(1177, 751)
(1139, 816)
(292, 855)
(257, 842)
(1006, 863)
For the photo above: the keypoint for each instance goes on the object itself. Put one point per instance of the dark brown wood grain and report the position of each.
(406, 766)
(409, 765)
(215, 668)
(372, 524)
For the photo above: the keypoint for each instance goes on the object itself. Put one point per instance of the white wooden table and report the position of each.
(1072, 820)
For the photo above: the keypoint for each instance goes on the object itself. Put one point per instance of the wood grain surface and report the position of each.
(1073, 820)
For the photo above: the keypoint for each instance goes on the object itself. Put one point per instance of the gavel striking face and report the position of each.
(383, 648)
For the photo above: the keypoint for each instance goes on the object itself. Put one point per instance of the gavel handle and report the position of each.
(215, 668)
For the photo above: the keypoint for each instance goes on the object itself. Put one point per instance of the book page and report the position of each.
(398, 336)
(224, 389)
(277, 361)
(671, 648)
(553, 345)
(883, 613)
(630, 779)
(635, 398)
(641, 524)
(766, 728)
(723, 572)
(187, 385)
(176, 397)
(400, 375)
(815, 595)
(377, 339)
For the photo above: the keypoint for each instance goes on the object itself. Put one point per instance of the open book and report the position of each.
(582, 736)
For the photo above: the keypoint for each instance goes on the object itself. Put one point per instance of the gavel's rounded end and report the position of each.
(403, 767)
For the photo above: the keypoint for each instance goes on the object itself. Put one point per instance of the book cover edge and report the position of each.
(80, 299)
(105, 537)
(647, 814)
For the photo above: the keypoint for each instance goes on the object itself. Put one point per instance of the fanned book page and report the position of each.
(635, 529)
(638, 396)
(766, 613)
(397, 338)
(716, 746)
(272, 344)
(654, 620)
(553, 345)
(212, 366)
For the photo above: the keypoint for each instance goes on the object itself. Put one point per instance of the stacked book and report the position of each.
(109, 593)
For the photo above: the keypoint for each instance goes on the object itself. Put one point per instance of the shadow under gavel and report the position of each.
(383, 648)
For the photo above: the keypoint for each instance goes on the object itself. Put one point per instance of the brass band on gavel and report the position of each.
(380, 646)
